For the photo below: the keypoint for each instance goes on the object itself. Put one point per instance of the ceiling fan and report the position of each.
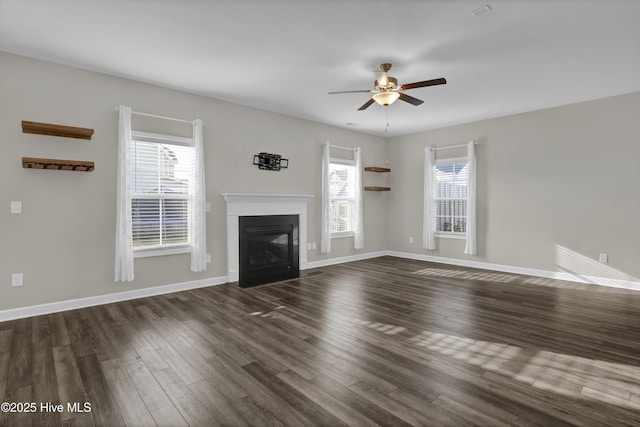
(386, 90)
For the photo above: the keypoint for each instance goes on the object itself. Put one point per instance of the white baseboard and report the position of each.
(54, 307)
(341, 260)
(559, 275)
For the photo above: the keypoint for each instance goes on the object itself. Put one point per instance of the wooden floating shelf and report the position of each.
(56, 130)
(377, 188)
(376, 169)
(56, 164)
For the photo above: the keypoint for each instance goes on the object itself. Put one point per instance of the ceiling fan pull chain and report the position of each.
(386, 112)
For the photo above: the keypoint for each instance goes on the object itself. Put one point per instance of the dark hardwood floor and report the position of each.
(386, 341)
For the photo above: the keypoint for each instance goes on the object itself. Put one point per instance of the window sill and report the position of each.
(342, 234)
(171, 250)
(459, 236)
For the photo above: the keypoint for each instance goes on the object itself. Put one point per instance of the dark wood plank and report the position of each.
(69, 381)
(16, 417)
(390, 404)
(360, 404)
(78, 333)
(255, 414)
(220, 408)
(20, 360)
(122, 336)
(44, 380)
(160, 406)
(125, 395)
(6, 338)
(173, 357)
(328, 401)
(298, 401)
(100, 344)
(148, 354)
(104, 410)
(183, 399)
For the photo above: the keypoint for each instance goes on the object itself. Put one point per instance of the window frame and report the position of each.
(170, 248)
(461, 235)
(353, 200)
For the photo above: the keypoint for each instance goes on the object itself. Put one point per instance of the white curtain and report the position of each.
(429, 209)
(124, 246)
(471, 247)
(325, 238)
(358, 223)
(197, 213)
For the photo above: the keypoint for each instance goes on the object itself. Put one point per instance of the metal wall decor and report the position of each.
(270, 162)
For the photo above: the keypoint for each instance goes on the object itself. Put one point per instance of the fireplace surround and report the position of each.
(245, 204)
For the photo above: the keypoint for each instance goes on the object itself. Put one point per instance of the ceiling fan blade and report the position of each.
(351, 91)
(366, 105)
(381, 77)
(410, 99)
(433, 82)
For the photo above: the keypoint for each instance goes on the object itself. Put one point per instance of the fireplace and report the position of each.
(269, 248)
(253, 205)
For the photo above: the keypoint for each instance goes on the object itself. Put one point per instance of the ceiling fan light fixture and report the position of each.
(386, 90)
(386, 98)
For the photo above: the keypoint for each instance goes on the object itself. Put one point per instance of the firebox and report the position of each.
(269, 249)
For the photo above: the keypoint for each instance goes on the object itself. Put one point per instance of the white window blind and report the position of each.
(342, 195)
(451, 196)
(160, 190)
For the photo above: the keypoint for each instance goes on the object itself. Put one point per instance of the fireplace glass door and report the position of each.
(268, 249)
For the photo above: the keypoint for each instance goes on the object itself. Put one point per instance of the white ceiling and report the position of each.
(286, 55)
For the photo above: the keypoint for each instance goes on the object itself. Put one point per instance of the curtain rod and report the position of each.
(451, 146)
(155, 116)
(344, 148)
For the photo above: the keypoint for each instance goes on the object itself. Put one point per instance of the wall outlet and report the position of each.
(17, 279)
(603, 258)
(208, 260)
(309, 246)
(411, 239)
(314, 245)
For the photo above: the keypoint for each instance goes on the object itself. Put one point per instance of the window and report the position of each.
(451, 197)
(342, 207)
(342, 196)
(160, 170)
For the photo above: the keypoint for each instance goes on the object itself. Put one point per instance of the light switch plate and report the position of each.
(16, 207)
(17, 279)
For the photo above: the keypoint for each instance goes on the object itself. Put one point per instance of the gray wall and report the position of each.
(63, 242)
(556, 187)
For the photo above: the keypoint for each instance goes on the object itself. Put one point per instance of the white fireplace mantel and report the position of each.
(243, 204)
